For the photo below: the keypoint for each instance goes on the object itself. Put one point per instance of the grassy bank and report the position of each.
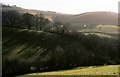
(28, 51)
(98, 71)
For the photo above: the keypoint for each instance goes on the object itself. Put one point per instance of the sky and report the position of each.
(66, 6)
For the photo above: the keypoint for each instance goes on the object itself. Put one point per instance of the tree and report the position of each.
(41, 21)
(28, 20)
(11, 18)
(58, 27)
(61, 27)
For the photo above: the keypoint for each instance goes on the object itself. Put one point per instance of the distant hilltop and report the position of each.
(88, 18)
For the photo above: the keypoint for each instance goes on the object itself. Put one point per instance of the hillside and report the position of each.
(18, 42)
(38, 51)
(90, 71)
(52, 15)
(111, 31)
(95, 18)
(89, 18)
(37, 46)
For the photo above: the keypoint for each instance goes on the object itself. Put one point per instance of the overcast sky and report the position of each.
(67, 6)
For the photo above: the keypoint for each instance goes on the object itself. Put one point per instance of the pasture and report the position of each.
(90, 71)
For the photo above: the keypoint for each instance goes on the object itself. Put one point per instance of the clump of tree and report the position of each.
(28, 20)
(13, 67)
(41, 21)
(15, 19)
(11, 19)
(61, 28)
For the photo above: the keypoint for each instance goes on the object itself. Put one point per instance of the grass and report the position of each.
(111, 70)
(111, 29)
(99, 34)
(32, 41)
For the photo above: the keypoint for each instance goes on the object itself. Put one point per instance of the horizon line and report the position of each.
(59, 12)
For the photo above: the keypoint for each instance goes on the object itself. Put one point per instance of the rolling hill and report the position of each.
(95, 18)
(52, 15)
(111, 31)
(26, 51)
(16, 41)
(38, 51)
(89, 18)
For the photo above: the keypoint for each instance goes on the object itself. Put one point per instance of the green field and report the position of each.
(110, 31)
(111, 70)
(113, 29)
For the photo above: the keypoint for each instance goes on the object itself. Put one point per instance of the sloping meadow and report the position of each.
(26, 51)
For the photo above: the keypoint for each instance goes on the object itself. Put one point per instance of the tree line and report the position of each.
(15, 19)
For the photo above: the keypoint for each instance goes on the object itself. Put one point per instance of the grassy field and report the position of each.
(110, 31)
(101, 71)
(113, 29)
